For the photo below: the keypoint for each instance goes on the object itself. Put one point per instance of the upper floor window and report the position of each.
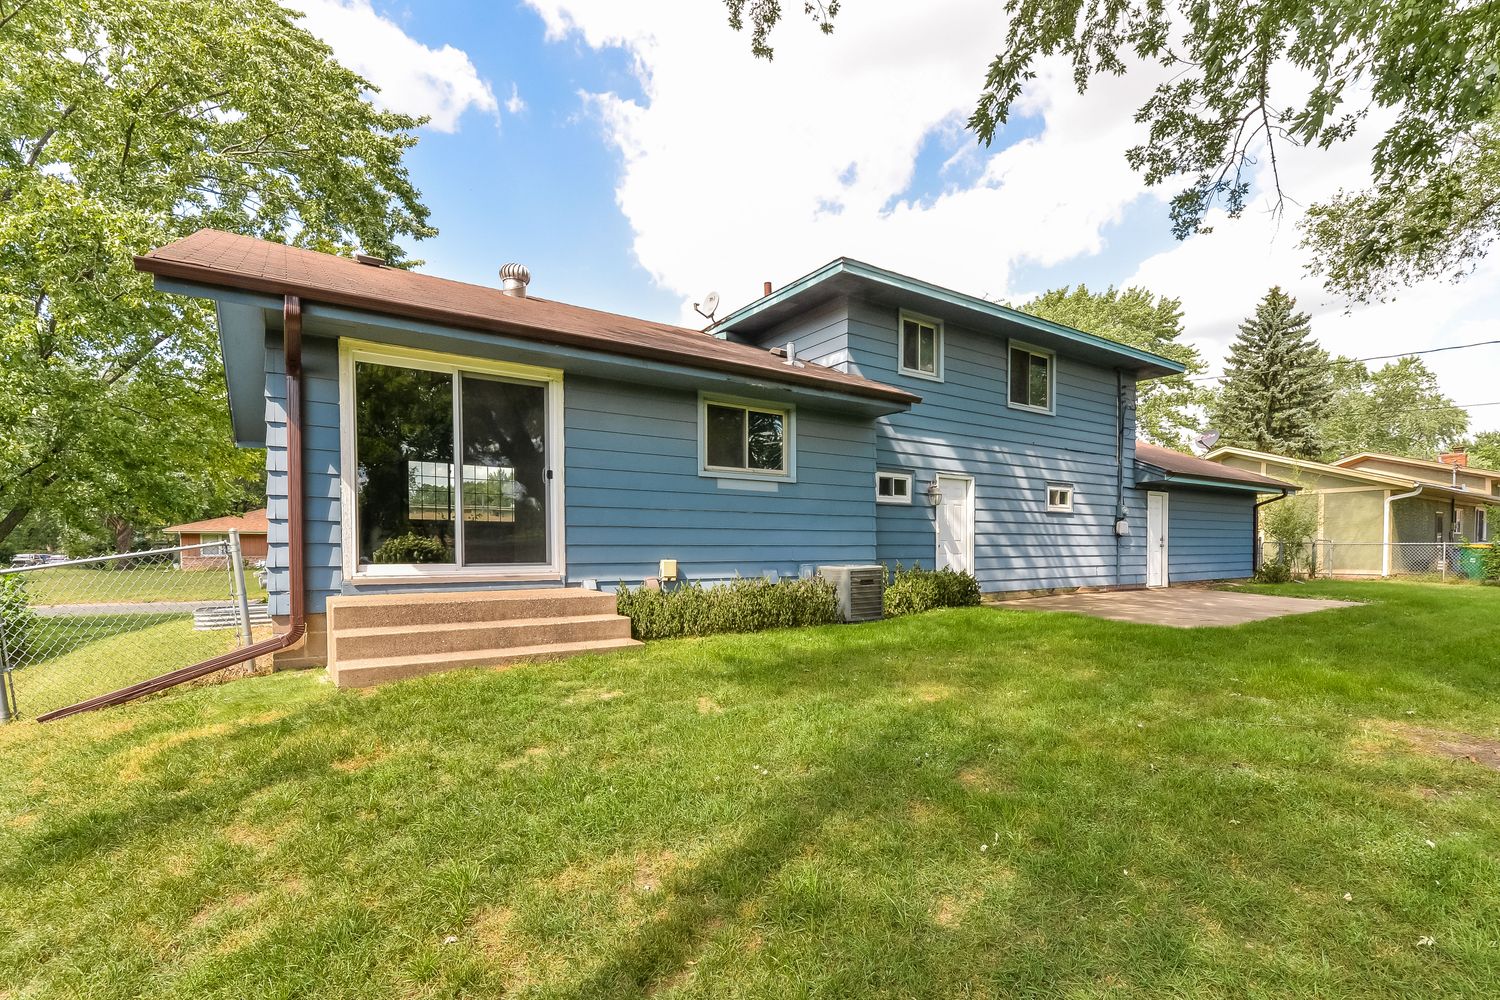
(745, 438)
(921, 346)
(1033, 378)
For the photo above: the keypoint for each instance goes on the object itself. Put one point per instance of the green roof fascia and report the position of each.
(962, 300)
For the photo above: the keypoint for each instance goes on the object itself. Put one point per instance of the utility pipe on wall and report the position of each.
(1385, 541)
(291, 350)
(1255, 528)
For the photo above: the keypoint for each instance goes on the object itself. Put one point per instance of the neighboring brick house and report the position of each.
(215, 530)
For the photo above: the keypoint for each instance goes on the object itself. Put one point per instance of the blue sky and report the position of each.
(635, 156)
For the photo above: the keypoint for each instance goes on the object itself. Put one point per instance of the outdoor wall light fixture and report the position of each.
(934, 495)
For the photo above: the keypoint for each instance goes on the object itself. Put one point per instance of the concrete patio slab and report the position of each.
(1179, 608)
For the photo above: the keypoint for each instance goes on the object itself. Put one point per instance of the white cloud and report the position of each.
(1221, 275)
(736, 170)
(514, 104)
(413, 78)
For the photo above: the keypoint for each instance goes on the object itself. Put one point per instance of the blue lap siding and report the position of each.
(964, 426)
(1210, 535)
(634, 495)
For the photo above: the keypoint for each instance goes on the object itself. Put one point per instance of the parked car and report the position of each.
(23, 559)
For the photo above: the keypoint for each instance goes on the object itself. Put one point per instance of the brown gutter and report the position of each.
(291, 338)
(459, 319)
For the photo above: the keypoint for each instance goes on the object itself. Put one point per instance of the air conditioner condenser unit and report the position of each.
(860, 589)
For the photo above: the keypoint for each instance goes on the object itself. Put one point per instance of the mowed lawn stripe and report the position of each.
(970, 802)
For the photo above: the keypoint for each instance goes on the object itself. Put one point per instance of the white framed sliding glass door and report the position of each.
(450, 466)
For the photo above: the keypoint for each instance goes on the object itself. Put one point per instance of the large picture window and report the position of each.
(746, 439)
(450, 467)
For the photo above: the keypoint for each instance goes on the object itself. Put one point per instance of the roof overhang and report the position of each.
(245, 320)
(1388, 480)
(213, 280)
(844, 278)
(1159, 479)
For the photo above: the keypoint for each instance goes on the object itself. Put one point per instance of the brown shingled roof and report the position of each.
(1171, 461)
(252, 522)
(211, 257)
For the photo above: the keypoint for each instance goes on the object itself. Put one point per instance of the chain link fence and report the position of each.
(76, 629)
(1441, 561)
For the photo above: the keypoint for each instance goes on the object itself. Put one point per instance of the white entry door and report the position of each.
(1156, 540)
(955, 524)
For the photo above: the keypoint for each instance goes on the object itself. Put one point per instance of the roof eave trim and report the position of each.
(870, 272)
(214, 278)
(1166, 478)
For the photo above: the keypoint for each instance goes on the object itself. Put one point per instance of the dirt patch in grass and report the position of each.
(133, 768)
(1481, 750)
(514, 954)
(587, 695)
(707, 706)
(526, 756)
(361, 761)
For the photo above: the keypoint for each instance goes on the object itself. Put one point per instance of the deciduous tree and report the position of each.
(1134, 316)
(125, 124)
(1247, 79)
(1398, 408)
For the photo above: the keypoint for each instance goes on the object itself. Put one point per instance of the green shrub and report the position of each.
(1274, 572)
(412, 548)
(914, 590)
(743, 605)
(1490, 565)
(17, 621)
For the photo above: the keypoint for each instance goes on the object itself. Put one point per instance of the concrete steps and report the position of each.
(387, 637)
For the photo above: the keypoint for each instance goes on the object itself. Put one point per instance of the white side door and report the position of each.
(1156, 540)
(955, 524)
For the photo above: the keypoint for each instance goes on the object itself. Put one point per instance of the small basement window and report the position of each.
(1032, 378)
(1060, 499)
(921, 346)
(744, 438)
(892, 487)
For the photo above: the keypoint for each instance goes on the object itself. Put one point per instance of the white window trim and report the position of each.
(1051, 356)
(789, 415)
(352, 351)
(904, 476)
(937, 345)
(1060, 508)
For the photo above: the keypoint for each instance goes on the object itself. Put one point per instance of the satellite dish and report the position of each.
(708, 306)
(1207, 439)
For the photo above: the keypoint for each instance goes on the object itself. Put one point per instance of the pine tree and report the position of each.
(1276, 383)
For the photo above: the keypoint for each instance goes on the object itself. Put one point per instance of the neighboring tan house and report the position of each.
(214, 532)
(1380, 515)
(469, 453)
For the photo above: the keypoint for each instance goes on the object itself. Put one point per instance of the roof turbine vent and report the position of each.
(514, 278)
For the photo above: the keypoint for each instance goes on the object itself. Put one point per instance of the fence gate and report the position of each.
(73, 630)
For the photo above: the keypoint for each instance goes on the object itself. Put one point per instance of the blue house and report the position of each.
(478, 465)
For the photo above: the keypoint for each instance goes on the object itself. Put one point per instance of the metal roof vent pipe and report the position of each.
(513, 279)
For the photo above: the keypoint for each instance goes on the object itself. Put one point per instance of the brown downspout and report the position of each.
(291, 346)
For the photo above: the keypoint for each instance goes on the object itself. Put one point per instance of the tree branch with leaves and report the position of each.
(127, 125)
(1247, 77)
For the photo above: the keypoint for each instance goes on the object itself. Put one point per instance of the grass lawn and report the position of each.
(146, 584)
(972, 803)
(87, 656)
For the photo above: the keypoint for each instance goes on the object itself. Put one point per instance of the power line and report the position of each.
(1376, 357)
